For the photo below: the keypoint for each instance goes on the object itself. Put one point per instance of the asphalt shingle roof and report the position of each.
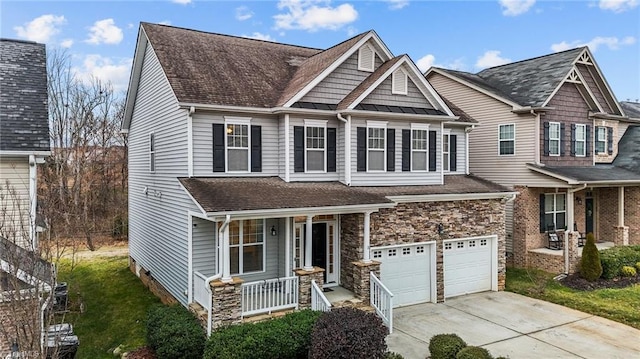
(24, 116)
(598, 173)
(629, 149)
(631, 109)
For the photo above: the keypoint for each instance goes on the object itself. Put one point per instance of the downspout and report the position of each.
(218, 275)
(570, 219)
(347, 147)
(287, 148)
(536, 143)
(192, 109)
(467, 130)
(33, 200)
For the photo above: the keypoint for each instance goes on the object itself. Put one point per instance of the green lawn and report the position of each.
(115, 305)
(621, 305)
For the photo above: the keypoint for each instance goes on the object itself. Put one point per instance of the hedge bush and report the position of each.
(445, 346)
(473, 353)
(590, 266)
(628, 271)
(613, 259)
(173, 332)
(393, 355)
(348, 333)
(638, 267)
(287, 337)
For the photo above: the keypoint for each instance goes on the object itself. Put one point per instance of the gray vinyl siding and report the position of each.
(340, 82)
(508, 218)
(14, 209)
(398, 177)
(622, 128)
(328, 176)
(282, 155)
(204, 246)
(461, 151)
(158, 219)
(382, 95)
(203, 144)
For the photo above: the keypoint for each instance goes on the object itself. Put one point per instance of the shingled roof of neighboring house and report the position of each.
(589, 174)
(453, 184)
(629, 149)
(631, 109)
(24, 116)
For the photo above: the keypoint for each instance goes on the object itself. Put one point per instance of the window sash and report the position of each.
(376, 149)
(445, 152)
(581, 140)
(506, 139)
(237, 147)
(554, 139)
(601, 140)
(555, 210)
(246, 242)
(315, 148)
(419, 149)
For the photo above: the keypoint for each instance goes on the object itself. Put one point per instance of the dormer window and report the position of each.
(399, 82)
(366, 58)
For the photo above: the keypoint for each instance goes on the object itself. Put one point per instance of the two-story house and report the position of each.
(259, 170)
(550, 128)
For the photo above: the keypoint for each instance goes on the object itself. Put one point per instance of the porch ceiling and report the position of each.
(599, 174)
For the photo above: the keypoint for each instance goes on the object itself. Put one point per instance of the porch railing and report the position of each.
(269, 295)
(200, 293)
(318, 300)
(382, 300)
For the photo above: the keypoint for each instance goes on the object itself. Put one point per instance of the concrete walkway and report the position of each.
(513, 326)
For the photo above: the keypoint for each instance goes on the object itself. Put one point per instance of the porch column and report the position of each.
(308, 266)
(226, 254)
(287, 246)
(568, 232)
(620, 206)
(366, 256)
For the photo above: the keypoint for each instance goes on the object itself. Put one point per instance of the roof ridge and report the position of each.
(532, 58)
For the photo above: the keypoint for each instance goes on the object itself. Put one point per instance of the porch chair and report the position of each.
(581, 236)
(552, 237)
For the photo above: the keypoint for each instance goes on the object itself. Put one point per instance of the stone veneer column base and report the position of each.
(361, 279)
(304, 285)
(226, 302)
(574, 259)
(621, 237)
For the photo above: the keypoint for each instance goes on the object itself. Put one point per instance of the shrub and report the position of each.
(173, 332)
(613, 259)
(348, 333)
(473, 353)
(590, 266)
(393, 355)
(638, 267)
(445, 346)
(628, 271)
(287, 337)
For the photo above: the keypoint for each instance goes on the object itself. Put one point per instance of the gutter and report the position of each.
(507, 196)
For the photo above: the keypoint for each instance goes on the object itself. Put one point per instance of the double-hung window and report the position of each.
(446, 155)
(237, 145)
(376, 148)
(507, 139)
(581, 140)
(554, 139)
(555, 210)
(601, 139)
(316, 145)
(246, 242)
(419, 147)
(152, 152)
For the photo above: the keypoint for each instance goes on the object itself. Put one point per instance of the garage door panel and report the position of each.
(468, 266)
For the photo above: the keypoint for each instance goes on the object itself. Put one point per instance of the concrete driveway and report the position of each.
(513, 326)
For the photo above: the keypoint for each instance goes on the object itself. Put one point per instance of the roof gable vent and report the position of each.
(399, 82)
(366, 58)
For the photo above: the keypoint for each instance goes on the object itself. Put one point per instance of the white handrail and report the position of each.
(381, 299)
(200, 293)
(269, 295)
(318, 300)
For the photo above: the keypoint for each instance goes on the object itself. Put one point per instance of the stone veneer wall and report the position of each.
(351, 241)
(551, 263)
(526, 223)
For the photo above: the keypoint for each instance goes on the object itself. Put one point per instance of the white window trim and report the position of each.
(555, 139)
(237, 121)
(152, 152)
(382, 125)
(501, 140)
(323, 125)
(583, 140)
(555, 208)
(597, 137)
(420, 127)
(241, 245)
(394, 79)
(446, 164)
(373, 59)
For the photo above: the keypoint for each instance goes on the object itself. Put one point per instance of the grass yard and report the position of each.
(115, 305)
(621, 305)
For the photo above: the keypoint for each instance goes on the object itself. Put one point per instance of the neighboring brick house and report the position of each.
(256, 167)
(551, 129)
(24, 143)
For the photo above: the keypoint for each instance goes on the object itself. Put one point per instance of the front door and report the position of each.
(589, 215)
(319, 246)
(324, 249)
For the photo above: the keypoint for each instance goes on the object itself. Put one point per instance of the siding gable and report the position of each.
(382, 95)
(595, 89)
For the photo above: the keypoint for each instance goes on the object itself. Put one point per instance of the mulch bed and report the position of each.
(142, 353)
(574, 281)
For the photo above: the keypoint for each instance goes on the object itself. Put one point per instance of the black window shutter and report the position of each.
(218, 147)
(573, 140)
(453, 153)
(432, 150)
(587, 143)
(361, 140)
(256, 148)
(543, 227)
(546, 138)
(331, 149)
(610, 140)
(298, 148)
(406, 150)
(562, 140)
(391, 150)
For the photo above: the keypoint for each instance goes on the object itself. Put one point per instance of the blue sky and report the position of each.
(100, 36)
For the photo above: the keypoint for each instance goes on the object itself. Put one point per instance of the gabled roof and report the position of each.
(367, 83)
(24, 115)
(631, 109)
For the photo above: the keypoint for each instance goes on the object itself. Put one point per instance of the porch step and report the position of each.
(200, 312)
(353, 303)
(263, 317)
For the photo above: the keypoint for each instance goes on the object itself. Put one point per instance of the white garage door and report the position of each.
(468, 266)
(406, 271)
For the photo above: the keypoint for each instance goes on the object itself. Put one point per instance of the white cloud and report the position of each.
(352, 31)
(260, 36)
(243, 13)
(429, 60)
(66, 43)
(491, 58)
(613, 43)
(618, 6)
(515, 7)
(397, 4)
(181, 2)
(106, 70)
(313, 15)
(40, 29)
(165, 22)
(104, 32)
